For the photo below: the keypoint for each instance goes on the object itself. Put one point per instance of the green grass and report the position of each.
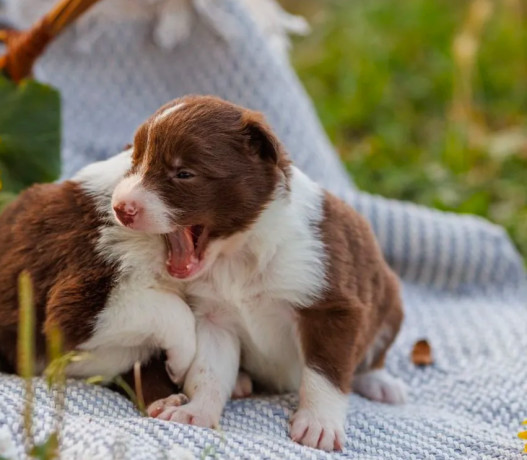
(425, 100)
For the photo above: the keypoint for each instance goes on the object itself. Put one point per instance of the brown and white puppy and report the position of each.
(103, 285)
(286, 280)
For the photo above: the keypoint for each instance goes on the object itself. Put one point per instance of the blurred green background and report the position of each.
(425, 100)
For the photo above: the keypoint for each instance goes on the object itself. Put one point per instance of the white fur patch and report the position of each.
(243, 387)
(100, 178)
(320, 418)
(135, 322)
(166, 113)
(260, 276)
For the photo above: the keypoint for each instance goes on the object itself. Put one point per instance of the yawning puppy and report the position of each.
(285, 280)
(103, 285)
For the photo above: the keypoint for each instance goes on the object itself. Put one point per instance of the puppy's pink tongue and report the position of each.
(182, 260)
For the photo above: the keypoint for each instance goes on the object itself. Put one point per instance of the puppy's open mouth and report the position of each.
(185, 247)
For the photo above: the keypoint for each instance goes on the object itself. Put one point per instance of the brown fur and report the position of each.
(362, 298)
(51, 231)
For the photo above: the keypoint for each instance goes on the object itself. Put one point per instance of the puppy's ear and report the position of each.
(262, 140)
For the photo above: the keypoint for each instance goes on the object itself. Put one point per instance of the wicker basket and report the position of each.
(24, 47)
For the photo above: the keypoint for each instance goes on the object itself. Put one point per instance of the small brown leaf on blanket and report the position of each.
(422, 353)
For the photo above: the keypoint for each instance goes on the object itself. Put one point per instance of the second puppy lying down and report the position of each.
(103, 285)
(286, 281)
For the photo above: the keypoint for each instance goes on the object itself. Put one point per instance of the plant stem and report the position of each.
(140, 400)
(26, 349)
(66, 12)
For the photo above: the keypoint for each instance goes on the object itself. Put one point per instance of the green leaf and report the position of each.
(96, 380)
(55, 371)
(30, 131)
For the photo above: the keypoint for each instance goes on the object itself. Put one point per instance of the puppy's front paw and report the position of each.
(318, 431)
(189, 414)
(380, 386)
(161, 405)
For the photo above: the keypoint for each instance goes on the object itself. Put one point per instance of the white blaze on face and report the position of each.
(169, 111)
(143, 209)
(151, 214)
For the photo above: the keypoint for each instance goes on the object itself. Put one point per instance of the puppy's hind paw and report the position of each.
(244, 386)
(380, 386)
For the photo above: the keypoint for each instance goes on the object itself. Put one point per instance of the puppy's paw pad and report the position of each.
(244, 386)
(380, 386)
(312, 430)
(161, 405)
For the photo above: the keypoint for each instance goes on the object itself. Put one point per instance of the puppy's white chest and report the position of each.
(270, 347)
(261, 305)
(259, 279)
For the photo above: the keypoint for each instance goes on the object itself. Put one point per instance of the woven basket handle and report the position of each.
(24, 47)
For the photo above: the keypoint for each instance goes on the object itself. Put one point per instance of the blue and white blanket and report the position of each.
(464, 283)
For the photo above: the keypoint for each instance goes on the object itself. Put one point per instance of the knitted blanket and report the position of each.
(464, 284)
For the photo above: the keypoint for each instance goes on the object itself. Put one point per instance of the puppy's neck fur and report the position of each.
(283, 247)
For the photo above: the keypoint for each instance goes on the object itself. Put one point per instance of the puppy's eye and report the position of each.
(184, 175)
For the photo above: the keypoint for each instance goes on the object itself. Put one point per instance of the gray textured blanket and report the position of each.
(464, 284)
